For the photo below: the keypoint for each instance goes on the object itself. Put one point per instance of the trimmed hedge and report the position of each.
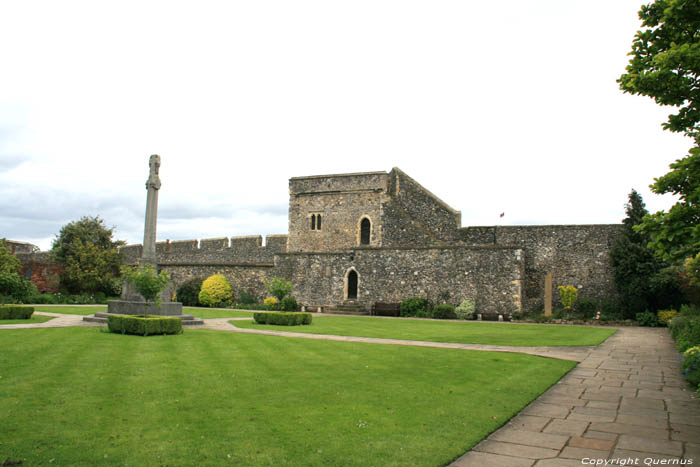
(141, 326)
(283, 319)
(16, 312)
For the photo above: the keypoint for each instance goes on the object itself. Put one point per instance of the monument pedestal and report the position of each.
(124, 307)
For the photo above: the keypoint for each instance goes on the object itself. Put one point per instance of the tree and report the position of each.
(675, 235)
(643, 280)
(89, 255)
(665, 65)
(665, 61)
(147, 281)
(12, 285)
(8, 262)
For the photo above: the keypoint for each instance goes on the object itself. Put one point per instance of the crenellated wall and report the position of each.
(246, 250)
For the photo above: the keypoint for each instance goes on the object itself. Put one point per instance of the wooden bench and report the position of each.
(386, 309)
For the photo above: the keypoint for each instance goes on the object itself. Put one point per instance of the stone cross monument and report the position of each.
(149, 231)
(132, 303)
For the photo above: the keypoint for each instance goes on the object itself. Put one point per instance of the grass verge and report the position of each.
(81, 396)
(467, 332)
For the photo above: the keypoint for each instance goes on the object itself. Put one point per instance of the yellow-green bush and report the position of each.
(216, 291)
(568, 295)
(270, 303)
(665, 316)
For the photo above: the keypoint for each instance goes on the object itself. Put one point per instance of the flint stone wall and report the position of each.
(577, 255)
(492, 276)
(429, 219)
(342, 201)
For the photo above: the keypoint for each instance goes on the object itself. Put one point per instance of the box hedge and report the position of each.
(283, 319)
(141, 326)
(16, 312)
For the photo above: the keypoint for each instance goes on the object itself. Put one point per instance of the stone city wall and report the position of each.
(577, 255)
(244, 261)
(492, 276)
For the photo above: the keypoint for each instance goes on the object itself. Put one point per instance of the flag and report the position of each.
(503, 214)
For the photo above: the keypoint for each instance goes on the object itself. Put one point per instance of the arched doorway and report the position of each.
(365, 231)
(352, 285)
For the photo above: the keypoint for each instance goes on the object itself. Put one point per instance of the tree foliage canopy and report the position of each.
(665, 63)
(642, 279)
(89, 255)
(8, 262)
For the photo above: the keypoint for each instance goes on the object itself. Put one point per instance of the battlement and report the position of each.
(222, 250)
(338, 183)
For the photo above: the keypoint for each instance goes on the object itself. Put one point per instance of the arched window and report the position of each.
(352, 285)
(318, 222)
(313, 221)
(365, 230)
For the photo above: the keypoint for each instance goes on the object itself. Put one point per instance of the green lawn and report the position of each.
(198, 312)
(468, 332)
(71, 310)
(33, 320)
(82, 396)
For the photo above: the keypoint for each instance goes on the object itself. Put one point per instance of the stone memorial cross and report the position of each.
(149, 231)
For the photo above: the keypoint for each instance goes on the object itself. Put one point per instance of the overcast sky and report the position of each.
(495, 107)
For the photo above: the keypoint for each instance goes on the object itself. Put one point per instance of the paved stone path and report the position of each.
(626, 401)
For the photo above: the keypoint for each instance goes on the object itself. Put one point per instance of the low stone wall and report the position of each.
(492, 276)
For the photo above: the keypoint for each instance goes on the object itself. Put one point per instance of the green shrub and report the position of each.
(443, 312)
(685, 330)
(289, 304)
(246, 297)
(610, 311)
(144, 326)
(691, 365)
(283, 319)
(270, 303)
(664, 316)
(216, 291)
(586, 307)
(16, 312)
(568, 295)
(466, 309)
(278, 288)
(14, 288)
(416, 306)
(188, 292)
(647, 318)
